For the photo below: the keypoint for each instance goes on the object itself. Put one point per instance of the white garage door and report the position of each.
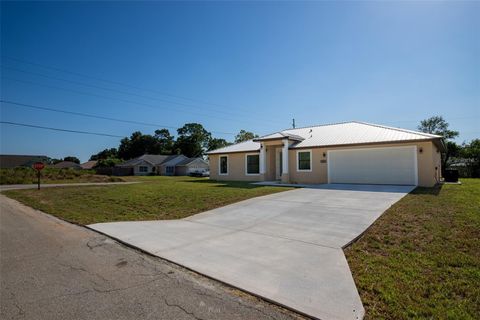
(389, 165)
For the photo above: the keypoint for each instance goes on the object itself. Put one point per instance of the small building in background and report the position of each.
(89, 165)
(15, 161)
(66, 165)
(192, 166)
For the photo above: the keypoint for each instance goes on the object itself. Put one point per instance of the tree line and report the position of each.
(464, 157)
(192, 140)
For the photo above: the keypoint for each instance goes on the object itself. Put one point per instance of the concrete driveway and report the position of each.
(285, 247)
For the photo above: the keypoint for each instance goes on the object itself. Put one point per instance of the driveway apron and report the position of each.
(284, 247)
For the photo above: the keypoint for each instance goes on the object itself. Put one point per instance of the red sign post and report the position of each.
(39, 167)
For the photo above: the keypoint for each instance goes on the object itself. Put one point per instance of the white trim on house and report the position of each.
(220, 165)
(246, 163)
(311, 162)
(415, 159)
(263, 159)
(285, 156)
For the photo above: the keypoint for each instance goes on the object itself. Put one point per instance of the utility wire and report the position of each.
(120, 91)
(95, 116)
(58, 129)
(119, 99)
(125, 85)
(109, 81)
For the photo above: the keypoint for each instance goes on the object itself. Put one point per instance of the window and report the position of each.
(170, 169)
(142, 169)
(223, 165)
(304, 160)
(252, 163)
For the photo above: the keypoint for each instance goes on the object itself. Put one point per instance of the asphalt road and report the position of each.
(50, 269)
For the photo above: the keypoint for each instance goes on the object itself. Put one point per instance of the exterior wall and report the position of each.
(427, 160)
(236, 168)
(271, 169)
(181, 171)
(136, 169)
(197, 165)
(162, 170)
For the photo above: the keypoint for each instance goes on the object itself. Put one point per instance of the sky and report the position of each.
(231, 66)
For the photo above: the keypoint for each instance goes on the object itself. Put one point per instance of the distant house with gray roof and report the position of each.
(165, 165)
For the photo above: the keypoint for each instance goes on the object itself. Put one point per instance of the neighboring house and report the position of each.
(89, 165)
(66, 165)
(158, 164)
(192, 165)
(13, 161)
(350, 152)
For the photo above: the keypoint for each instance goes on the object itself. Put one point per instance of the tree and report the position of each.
(217, 143)
(245, 136)
(138, 144)
(107, 163)
(471, 153)
(437, 125)
(472, 150)
(165, 140)
(192, 140)
(72, 159)
(105, 154)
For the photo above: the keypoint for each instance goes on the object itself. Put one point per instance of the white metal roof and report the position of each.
(279, 135)
(345, 133)
(249, 145)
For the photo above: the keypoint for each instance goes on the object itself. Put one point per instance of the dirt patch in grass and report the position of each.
(421, 259)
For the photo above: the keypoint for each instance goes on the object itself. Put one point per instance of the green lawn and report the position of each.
(155, 198)
(421, 259)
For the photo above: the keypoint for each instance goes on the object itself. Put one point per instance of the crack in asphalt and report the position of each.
(192, 314)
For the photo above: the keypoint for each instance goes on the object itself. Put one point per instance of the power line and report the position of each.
(122, 100)
(124, 85)
(116, 91)
(58, 129)
(109, 81)
(95, 116)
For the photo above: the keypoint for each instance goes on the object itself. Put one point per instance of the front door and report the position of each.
(279, 165)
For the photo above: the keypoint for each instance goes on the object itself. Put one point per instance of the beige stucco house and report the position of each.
(349, 152)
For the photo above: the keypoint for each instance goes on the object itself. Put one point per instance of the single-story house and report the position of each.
(349, 152)
(14, 161)
(191, 165)
(165, 165)
(89, 165)
(66, 165)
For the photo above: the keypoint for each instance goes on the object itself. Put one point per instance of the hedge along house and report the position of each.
(350, 152)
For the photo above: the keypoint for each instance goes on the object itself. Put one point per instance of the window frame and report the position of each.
(298, 160)
(140, 169)
(246, 163)
(220, 165)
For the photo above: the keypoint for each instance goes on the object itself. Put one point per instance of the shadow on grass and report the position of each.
(226, 184)
(434, 191)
